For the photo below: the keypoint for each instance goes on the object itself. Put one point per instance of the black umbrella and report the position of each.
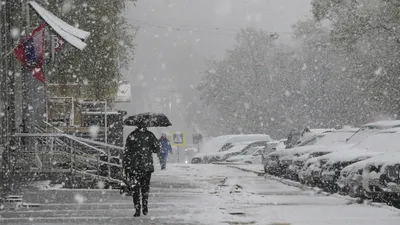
(148, 120)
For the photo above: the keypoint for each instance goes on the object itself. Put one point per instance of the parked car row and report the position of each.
(362, 163)
(221, 148)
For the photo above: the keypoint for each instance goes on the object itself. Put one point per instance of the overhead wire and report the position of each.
(188, 28)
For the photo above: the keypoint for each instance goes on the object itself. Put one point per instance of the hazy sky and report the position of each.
(176, 37)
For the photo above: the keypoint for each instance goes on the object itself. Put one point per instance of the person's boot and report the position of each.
(136, 203)
(145, 203)
(137, 212)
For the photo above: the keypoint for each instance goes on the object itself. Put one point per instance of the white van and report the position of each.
(224, 143)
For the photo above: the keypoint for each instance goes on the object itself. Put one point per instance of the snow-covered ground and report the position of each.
(201, 194)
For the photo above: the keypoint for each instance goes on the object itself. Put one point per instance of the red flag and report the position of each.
(31, 52)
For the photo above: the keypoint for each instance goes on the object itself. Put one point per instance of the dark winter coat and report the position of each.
(139, 147)
(165, 146)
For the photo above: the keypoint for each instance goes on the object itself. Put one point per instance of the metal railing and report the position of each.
(59, 152)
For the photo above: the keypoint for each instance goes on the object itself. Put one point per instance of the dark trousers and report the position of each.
(141, 186)
(163, 161)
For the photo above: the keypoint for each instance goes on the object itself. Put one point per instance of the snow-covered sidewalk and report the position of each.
(201, 194)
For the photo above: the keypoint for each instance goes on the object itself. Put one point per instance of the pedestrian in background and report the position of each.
(138, 165)
(165, 149)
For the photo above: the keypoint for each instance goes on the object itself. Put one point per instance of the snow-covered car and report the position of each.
(276, 163)
(366, 174)
(249, 156)
(350, 181)
(371, 128)
(327, 143)
(296, 138)
(330, 139)
(224, 143)
(269, 148)
(381, 177)
(337, 162)
(311, 172)
(365, 131)
(379, 143)
(190, 152)
(272, 164)
(237, 149)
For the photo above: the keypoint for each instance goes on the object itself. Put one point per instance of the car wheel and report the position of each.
(196, 161)
(356, 192)
(371, 196)
(396, 203)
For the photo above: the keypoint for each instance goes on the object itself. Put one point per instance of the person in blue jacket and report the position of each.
(165, 149)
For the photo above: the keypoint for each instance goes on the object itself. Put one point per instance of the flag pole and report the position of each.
(46, 102)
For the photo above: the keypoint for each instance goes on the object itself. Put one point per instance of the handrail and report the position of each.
(99, 143)
(58, 135)
(52, 126)
(86, 140)
(98, 176)
(90, 159)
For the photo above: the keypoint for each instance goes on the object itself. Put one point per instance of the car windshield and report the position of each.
(317, 154)
(366, 131)
(380, 142)
(312, 141)
(334, 138)
(250, 151)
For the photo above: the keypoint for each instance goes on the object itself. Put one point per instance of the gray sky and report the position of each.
(176, 37)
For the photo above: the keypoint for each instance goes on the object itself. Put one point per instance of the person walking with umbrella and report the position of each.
(138, 156)
(165, 149)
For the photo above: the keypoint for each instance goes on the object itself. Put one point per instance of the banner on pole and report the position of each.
(124, 93)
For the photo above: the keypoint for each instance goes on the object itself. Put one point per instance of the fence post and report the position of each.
(109, 161)
(72, 164)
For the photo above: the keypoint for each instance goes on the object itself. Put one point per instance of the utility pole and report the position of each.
(10, 13)
(12, 21)
(2, 74)
(26, 97)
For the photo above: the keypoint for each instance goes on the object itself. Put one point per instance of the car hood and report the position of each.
(236, 157)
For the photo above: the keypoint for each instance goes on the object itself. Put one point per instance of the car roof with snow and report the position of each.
(390, 130)
(350, 155)
(299, 150)
(376, 144)
(215, 144)
(237, 147)
(321, 149)
(323, 143)
(387, 158)
(371, 128)
(319, 158)
(380, 142)
(383, 124)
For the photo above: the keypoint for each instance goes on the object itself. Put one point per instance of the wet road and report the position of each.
(200, 194)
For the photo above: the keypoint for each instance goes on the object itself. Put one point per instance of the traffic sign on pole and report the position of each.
(178, 139)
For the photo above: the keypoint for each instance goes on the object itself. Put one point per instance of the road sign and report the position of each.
(197, 138)
(124, 93)
(178, 139)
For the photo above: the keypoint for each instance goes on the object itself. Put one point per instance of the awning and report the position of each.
(72, 35)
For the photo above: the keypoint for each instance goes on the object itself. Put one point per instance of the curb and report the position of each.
(316, 190)
(247, 170)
